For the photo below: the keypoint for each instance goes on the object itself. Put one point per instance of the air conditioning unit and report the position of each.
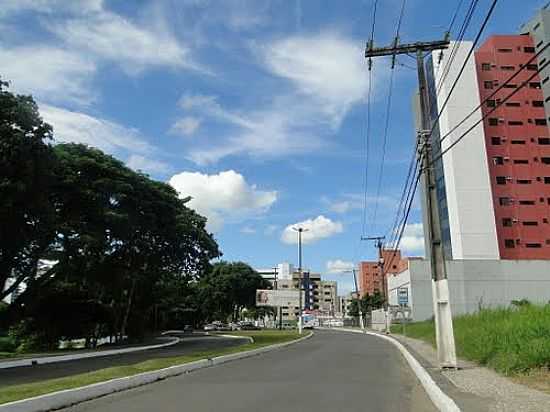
(506, 158)
(514, 220)
(509, 178)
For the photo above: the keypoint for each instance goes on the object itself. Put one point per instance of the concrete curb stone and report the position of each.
(69, 397)
(441, 400)
(63, 358)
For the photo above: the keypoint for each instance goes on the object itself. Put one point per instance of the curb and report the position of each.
(63, 358)
(441, 400)
(250, 338)
(69, 397)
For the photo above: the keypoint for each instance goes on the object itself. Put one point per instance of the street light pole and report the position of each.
(361, 320)
(300, 230)
(279, 313)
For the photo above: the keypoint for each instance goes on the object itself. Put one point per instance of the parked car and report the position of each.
(223, 326)
(210, 327)
(249, 326)
(188, 329)
(234, 326)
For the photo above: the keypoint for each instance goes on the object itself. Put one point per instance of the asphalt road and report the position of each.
(189, 344)
(330, 372)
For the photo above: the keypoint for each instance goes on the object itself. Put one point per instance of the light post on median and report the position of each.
(300, 230)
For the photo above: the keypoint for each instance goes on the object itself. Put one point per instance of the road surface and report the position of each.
(189, 344)
(333, 371)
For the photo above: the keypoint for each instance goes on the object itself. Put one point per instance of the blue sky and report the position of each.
(255, 108)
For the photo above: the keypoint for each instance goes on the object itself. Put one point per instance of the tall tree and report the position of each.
(228, 288)
(26, 212)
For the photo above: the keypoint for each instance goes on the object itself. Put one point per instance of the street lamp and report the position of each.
(300, 230)
(361, 320)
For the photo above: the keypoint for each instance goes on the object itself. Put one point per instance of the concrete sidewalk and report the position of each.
(476, 388)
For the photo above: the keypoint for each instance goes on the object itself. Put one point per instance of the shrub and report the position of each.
(509, 340)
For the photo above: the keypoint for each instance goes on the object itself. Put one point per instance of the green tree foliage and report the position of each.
(367, 303)
(229, 288)
(26, 211)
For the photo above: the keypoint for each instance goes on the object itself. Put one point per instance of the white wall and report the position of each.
(467, 181)
(479, 283)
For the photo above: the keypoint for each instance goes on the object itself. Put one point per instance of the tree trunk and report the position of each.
(128, 307)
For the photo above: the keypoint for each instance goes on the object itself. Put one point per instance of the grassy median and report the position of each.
(513, 341)
(17, 392)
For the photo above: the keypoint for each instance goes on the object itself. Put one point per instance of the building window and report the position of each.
(534, 85)
(521, 161)
(507, 221)
(533, 245)
(501, 180)
(537, 103)
(496, 140)
(524, 181)
(540, 43)
(507, 68)
(493, 121)
(504, 50)
(515, 123)
(545, 160)
(498, 160)
(509, 243)
(544, 140)
(526, 202)
(512, 104)
(510, 86)
(541, 122)
(532, 67)
(518, 142)
(505, 201)
(491, 103)
(547, 180)
(488, 84)
(485, 66)
(530, 49)
(530, 223)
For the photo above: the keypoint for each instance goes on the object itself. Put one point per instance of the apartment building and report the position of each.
(370, 274)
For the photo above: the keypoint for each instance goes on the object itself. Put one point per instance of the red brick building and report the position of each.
(370, 278)
(518, 147)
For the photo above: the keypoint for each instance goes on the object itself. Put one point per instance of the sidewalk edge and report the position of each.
(441, 400)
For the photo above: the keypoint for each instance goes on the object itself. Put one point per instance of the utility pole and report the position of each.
(361, 320)
(440, 288)
(300, 230)
(378, 243)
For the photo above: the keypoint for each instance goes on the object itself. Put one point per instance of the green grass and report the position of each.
(510, 340)
(17, 392)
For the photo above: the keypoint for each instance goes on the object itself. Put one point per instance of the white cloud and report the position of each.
(141, 163)
(111, 137)
(412, 241)
(49, 6)
(247, 230)
(318, 228)
(270, 229)
(326, 66)
(275, 131)
(110, 36)
(185, 126)
(339, 266)
(49, 74)
(340, 207)
(222, 196)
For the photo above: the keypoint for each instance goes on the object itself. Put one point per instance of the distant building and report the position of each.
(319, 296)
(370, 274)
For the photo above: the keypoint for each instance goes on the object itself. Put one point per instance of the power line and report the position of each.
(388, 116)
(440, 155)
(502, 86)
(472, 49)
(455, 15)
